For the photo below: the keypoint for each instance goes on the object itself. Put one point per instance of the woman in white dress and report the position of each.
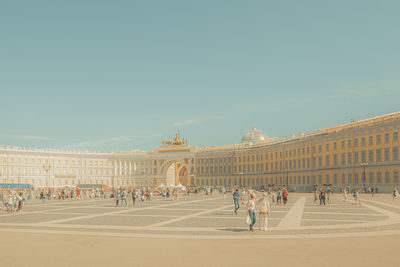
(264, 212)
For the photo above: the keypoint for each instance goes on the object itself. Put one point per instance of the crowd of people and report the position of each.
(262, 203)
(12, 200)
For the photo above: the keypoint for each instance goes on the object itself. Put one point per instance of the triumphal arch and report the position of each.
(170, 164)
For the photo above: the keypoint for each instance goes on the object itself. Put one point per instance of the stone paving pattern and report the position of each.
(206, 217)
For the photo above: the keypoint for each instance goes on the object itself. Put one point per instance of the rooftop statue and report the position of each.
(177, 140)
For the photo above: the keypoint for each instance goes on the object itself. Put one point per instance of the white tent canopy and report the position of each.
(161, 186)
(180, 187)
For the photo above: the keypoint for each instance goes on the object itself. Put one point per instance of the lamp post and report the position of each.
(364, 165)
(46, 167)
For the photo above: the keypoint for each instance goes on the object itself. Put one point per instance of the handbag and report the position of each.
(248, 219)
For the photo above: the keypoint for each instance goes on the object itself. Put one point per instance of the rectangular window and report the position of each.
(327, 160)
(387, 177)
(371, 178)
(327, 179)
(319, 179)
(356, 157)
(343, 179)
(348, 143)
(343, 159)
(313, 179)
(395, 153)
(370, 156)
(349, 178)
(335, 159)
(308, 179)
(395, 177)
(334, 146)
(363, 141)
(370, 140)
(379, 177)
(356, 142)
(386, 138)
(308, 163)
(363, 156)
(387, 154)
(335, 179)
(304, 180)
(378, 139)
(349, 158)
(378, 155)
(319, 161)
(356, 178)
(395, 136)
(327, 147)
(342, 145)
(320, 148)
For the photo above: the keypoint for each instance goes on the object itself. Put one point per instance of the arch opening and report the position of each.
(177, 173)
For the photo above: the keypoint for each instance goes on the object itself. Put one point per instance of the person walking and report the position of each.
(133, 197)
(357, 200)
(328, 196)
(285, 196)
(279, 197)
(243, 195)
(20, 201)
(251, 209)
(236, 199)
(123, 198)
(395, 193)
(116, 195)
(322, 197)
(264, 212)
(43, 197)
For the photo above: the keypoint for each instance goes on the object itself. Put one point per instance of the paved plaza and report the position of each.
(201, 231)
(207, 217)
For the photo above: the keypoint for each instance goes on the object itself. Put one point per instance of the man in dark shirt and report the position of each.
(236, 198)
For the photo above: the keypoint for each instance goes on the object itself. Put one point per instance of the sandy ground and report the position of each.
(30, 249)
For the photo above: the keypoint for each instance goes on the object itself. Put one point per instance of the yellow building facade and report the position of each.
(358, 155)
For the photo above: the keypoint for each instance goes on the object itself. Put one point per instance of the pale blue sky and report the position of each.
(123, 75)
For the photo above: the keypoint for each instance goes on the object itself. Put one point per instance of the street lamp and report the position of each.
(46, 167)
(364, 165)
